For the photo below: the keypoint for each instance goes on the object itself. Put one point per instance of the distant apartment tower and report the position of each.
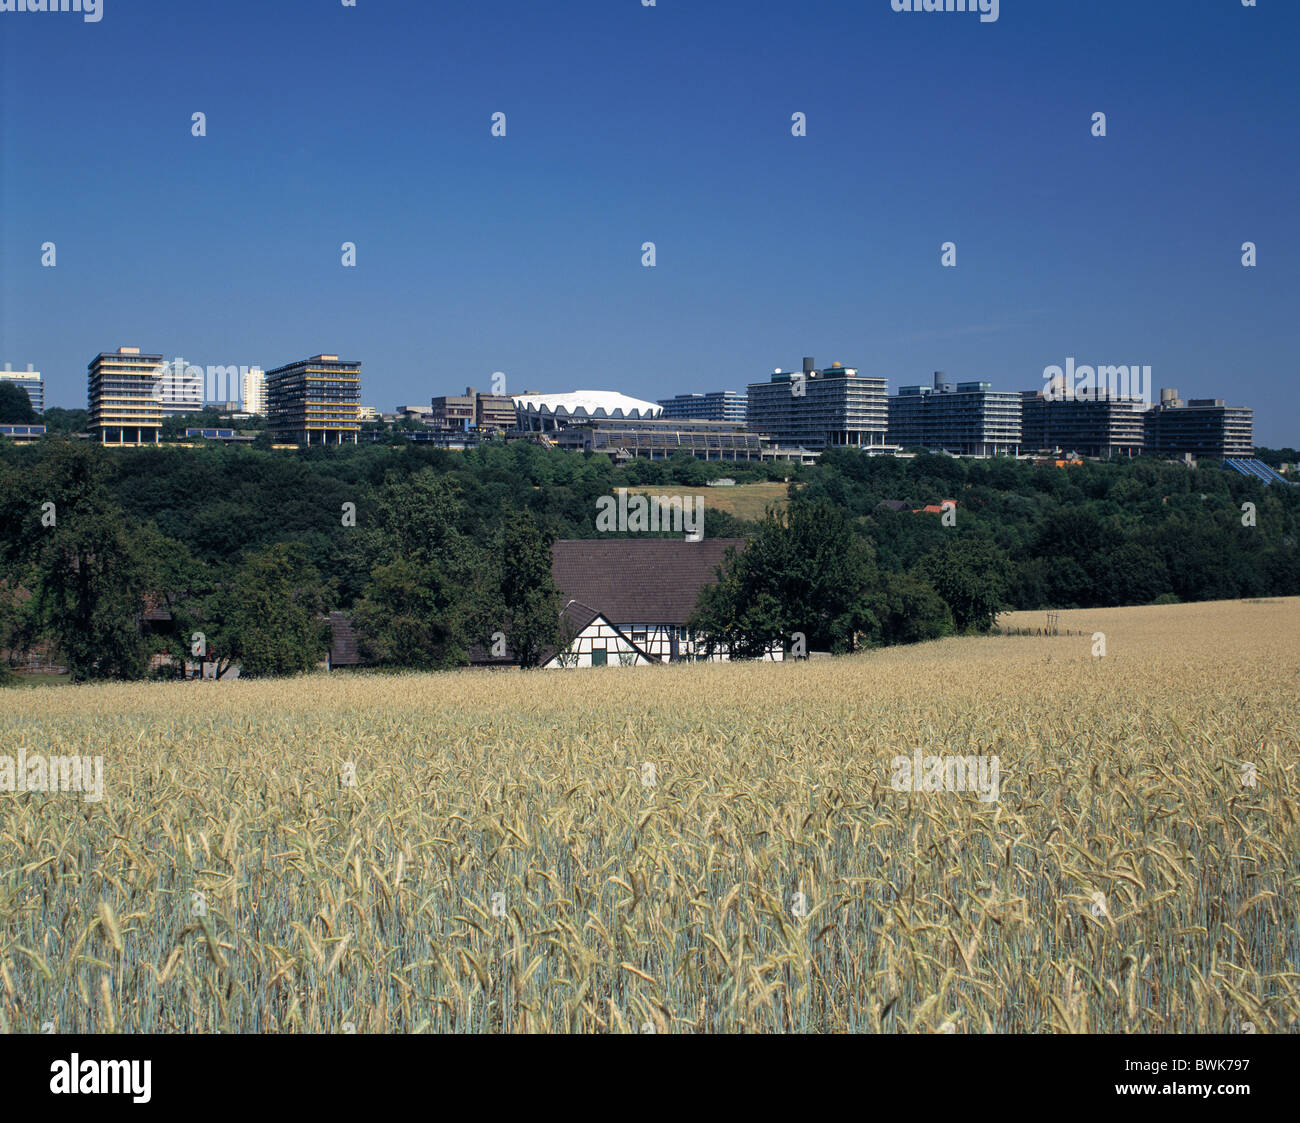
(1105, 427)
(1200, 426)
(123, 396)
(31, 381)
(717, 405)
(968, 419)
(314, 401)
(179, 388)
(253, 390)
(835, 407)
(473, 410)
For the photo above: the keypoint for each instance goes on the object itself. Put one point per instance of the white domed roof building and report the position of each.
(555, 411)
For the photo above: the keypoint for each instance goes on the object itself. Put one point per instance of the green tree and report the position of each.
(969, 574)
(805, 572)
(913, 611)
(94, 570)
(421, 605)
(268, 618)
(409, 616)
(523, 599)
(59, 420)
(15, 405)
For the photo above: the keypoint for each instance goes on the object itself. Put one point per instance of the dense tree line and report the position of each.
(434, 553)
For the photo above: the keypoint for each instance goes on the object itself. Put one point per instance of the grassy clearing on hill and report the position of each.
(500, 862)
(743, 501)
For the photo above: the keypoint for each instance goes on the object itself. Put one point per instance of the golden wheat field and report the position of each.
(487, 851)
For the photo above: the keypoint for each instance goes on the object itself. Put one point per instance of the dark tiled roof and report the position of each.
(638, 580)
(893, 505)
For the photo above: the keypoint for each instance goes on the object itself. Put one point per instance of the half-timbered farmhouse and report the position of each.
(626, 600)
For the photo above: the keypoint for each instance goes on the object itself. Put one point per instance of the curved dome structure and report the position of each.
(550, 411)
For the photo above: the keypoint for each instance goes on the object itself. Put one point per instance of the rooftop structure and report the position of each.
(539, 412)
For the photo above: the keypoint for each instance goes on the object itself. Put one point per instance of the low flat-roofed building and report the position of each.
(658, 440)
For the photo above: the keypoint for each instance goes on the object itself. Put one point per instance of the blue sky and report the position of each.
(670, 124)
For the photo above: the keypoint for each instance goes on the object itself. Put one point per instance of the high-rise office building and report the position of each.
(253, 390)
(314, 401)
(717, 405)
(1200, 427)
(31, 381)
(1104, 427)
(122, 391)
(834, 407)
(968, 419)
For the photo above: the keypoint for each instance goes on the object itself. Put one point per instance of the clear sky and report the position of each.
(670, 124)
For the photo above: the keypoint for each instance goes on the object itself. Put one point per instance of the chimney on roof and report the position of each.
(808, 366)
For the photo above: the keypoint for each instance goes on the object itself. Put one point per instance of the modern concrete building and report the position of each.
(254, 390)
(453, 411)
(1205, 427)
(473, 410)
(31, 381)
(1104, 427)
(717, 405)
(123, 397)
(968, 419)
(658, 439)
(814, 409)
(314, 401)
(494, 411)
